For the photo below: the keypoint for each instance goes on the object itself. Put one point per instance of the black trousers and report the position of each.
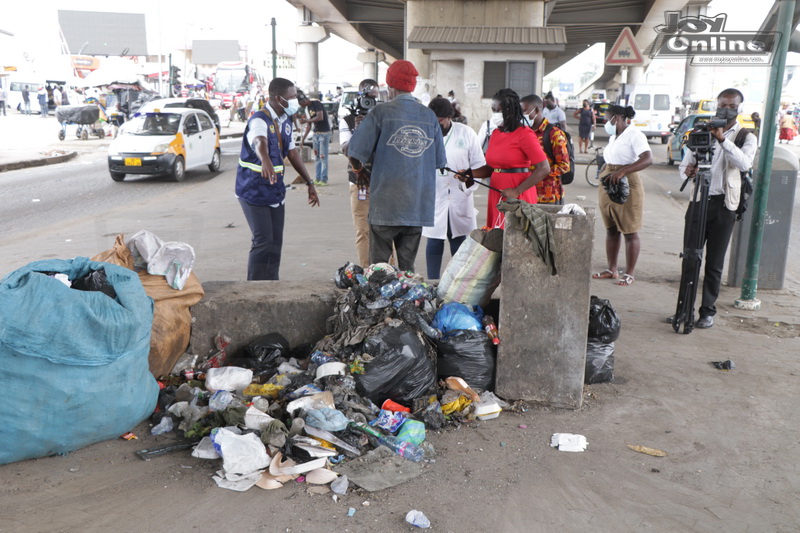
(266, 224)
(405, 239)
(719, 227)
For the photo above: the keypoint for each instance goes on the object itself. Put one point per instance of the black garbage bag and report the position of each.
(345, 277)
(262, 354)
(469, 355)
(599, 362)
(604, 323)
(401, 369)
(617, 192)
(95, 280)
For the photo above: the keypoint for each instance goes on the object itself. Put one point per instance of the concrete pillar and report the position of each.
(635, 76)
(308, 38)
(418, 13)
(370, 59)
(694, 85)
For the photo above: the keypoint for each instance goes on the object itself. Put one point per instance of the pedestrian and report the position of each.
(756, 118)
(3, 98)
(359, 198)
(454, 216)
(26, 101)
(41, 95)
(788, 131)
(554, 144)
(586, 124)
(260, 188)
(316, 115)
(553, 113)
(403, 140)
(733, 154)
(494, 121)
(626, 154)
(515, 160)
(57, 96)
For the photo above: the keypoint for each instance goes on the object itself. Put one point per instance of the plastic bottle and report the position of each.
(320, 358)
(361, 279)
(410, 451)
(391, 288)
(418, 519)
(491, 329)
(417, 292)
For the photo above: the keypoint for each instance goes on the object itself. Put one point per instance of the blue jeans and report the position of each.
(266, 225)
(434, 251)
(321, 142)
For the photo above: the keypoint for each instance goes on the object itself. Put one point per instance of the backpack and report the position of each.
(547, 145)
(747, 177)
(486, 139)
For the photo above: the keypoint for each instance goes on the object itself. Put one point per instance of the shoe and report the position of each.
(705, 322)
(670, 319)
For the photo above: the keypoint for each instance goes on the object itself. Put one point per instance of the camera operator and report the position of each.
(368, 93)
(734, 150)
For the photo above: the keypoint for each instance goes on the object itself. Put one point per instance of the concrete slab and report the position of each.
(544, 319)
(244, 310)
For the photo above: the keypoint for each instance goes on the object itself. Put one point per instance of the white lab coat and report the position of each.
(453, 199)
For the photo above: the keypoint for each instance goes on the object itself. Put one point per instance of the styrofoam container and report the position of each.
(487, 410)
(331, 369)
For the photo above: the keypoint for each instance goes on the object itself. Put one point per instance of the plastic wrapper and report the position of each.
(469, 355)
(604, 323)
(599, 362)
(454, 316)
(262, 354)
(401, 369)
(229, 378)
(412, 431)
(617, 192)
(326, 418)
(95, 280)
(241, 454)
(389, 420)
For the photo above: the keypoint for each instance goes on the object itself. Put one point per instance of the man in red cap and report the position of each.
(403, 141)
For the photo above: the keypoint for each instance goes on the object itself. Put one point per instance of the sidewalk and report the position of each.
(32, 141)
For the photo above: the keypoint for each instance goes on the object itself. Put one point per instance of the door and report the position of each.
(193, 141)
(208, 134)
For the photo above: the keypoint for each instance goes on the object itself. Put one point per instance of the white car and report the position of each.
(166, 142)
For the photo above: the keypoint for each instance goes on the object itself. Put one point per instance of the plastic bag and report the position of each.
(604, 323)
(326, 418)
(473, 274)
(95, 280)
(241, 454)
(400, 370)
(261, 355)
(599, 362)
(228, 378)
(617, 192)
(454, 316)
(468, 355)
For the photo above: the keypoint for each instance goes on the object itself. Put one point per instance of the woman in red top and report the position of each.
(513, 151)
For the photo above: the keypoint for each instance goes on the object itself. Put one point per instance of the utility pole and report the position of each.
(748, 298)
(274, 51)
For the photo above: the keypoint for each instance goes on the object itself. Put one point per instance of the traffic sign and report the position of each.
(625, 50)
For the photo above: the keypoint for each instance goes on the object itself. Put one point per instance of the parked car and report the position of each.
(600, 109)
(165, 143)
(676, 147)
(191, 103)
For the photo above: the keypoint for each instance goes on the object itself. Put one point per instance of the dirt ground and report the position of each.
(731, 438)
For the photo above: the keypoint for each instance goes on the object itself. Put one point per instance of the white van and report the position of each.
(653, 105)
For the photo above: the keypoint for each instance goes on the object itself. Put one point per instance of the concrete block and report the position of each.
(244, 310)
(544, 319)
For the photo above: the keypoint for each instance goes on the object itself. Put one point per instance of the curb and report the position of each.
(39, 162)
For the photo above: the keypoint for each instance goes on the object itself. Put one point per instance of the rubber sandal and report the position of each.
(626, 280)
(602, 275)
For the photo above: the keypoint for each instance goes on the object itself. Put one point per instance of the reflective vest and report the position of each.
(251, 186)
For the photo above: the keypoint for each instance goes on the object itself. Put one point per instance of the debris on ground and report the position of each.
(647, 450)
(568, 442)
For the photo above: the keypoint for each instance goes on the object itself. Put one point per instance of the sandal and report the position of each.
(626, 280)
(605, 274)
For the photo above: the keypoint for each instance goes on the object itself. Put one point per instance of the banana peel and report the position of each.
(647, 450)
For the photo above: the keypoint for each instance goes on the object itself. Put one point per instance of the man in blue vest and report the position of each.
(403, 141)
(260, 188)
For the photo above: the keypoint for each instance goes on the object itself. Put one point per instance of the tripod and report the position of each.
(693, 241)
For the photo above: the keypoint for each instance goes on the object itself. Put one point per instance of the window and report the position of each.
(191, 125)
(661, 102)
(517, 75)
(641, 102)
(205, 124)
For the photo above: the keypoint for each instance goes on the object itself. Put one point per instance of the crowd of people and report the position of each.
(413, 170)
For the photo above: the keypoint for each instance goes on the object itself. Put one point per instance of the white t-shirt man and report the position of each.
(454, 201)
(554, 116)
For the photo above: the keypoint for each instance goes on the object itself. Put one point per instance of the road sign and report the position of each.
(566, 87)
(625, 50)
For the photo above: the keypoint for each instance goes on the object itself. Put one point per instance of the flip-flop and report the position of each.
(605, 274)
(626, 280)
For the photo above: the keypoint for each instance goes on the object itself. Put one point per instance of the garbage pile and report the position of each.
(274, 415)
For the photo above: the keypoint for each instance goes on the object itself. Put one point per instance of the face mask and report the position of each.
(497, 119)
(726, 113)
(551, 106)
(611, 129)
(292, 106)
(528, 121)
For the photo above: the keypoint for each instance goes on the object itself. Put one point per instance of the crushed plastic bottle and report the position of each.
(410, 451)
(165, 426)
(418, 519)
(392, 288)
(220, 400)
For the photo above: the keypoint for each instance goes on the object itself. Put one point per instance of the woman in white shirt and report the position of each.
(626, 154)
(454, 217)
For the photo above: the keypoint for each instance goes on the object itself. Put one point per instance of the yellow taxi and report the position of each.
(165, 142)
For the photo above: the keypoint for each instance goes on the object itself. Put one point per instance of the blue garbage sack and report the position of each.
(457, 316)
(73, 363)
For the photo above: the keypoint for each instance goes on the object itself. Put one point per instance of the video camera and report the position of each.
(700, 138)
(363, 105)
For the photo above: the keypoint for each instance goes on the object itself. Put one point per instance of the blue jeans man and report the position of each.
(321, 140)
